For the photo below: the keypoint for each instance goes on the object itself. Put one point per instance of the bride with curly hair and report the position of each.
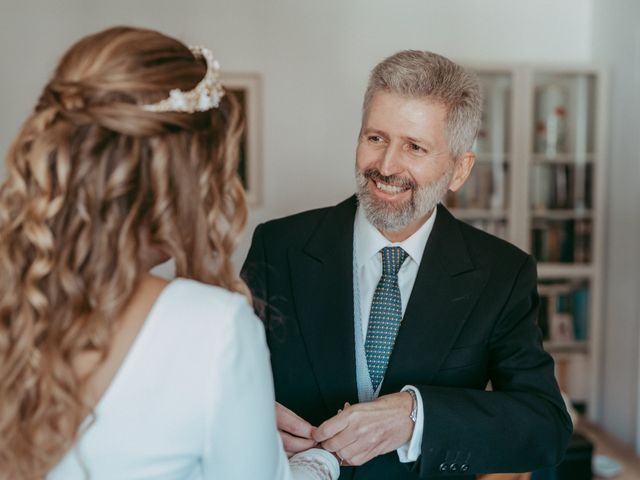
(107, 372)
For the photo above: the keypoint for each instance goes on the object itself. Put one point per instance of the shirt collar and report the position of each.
(369, 241)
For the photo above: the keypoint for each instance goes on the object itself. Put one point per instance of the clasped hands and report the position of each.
(356, 434)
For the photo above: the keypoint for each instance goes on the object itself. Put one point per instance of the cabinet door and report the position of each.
(562, 165)
(561, 190)
(483, 200)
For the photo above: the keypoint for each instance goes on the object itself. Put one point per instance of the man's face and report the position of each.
(403, 163)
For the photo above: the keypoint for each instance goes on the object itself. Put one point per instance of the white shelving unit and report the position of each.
(539, 183)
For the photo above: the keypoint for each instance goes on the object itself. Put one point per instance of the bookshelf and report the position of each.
(538, 182)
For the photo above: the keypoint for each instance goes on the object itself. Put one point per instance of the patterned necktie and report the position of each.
(385, 316)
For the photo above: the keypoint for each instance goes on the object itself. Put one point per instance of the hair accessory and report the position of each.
(204, 96)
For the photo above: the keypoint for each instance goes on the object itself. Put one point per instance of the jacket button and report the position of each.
(464, 467)
(444, 467)
(453, 467)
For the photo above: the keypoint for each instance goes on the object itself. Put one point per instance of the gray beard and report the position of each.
(390, 217)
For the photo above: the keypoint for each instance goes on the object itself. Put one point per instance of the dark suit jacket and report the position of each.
(471, 319)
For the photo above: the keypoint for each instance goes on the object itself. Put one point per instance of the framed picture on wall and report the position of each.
(246, 88)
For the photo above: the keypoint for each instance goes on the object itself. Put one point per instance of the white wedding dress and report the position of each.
(193, 400)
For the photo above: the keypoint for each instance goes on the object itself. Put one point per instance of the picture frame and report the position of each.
(247, 89)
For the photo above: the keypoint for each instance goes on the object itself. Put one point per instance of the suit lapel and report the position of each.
(322, 283)
(446, 289)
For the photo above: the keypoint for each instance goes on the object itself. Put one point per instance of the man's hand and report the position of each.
(294, 431)
(363, 431)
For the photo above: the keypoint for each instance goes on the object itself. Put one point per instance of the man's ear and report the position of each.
(462, 170)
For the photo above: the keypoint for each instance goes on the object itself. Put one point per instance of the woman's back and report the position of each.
(191, 400)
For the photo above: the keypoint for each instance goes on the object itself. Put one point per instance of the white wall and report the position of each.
(616, 42)
(314, 58)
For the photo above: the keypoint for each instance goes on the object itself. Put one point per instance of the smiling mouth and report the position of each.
(388, 185)
(391, 189)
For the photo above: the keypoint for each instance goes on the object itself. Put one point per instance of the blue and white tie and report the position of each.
(385, 315)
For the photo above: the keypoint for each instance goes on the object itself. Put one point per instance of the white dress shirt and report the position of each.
(368, 241)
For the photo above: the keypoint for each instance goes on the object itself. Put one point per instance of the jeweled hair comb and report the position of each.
(204, 96)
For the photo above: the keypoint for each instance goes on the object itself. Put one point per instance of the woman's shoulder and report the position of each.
(196, 306)
(199, 294)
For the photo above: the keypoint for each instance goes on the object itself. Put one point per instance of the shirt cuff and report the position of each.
(410, 451)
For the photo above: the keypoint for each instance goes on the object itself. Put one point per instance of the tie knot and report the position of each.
(392, 259)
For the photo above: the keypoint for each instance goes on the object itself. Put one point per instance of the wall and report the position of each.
(616, 42)
(314, 58)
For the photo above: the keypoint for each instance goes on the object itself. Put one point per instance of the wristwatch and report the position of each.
(414, 411)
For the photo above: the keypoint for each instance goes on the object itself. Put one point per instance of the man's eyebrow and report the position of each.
(421, 141)
(373, 130)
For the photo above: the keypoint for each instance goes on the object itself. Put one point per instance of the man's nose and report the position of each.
(390, 161)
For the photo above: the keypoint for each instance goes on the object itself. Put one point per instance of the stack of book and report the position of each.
(494, 227)
(563, 312)
(484, 189)
(561, 186)
(566, 241)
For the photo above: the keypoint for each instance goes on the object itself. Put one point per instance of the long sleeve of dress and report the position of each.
(242, 439)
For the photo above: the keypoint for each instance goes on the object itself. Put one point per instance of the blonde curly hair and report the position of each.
(89, 171)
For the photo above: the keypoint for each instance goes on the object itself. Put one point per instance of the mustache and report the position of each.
(395, 180)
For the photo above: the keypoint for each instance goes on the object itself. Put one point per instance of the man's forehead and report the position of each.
(424, 99)
(387, 103)
(413, 118)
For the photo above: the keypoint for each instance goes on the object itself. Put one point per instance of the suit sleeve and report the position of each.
(522, 425)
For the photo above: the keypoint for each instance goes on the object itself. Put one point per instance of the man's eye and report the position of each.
(416, 148)
(374, 138)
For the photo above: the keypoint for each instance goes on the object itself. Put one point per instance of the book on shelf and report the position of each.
(580, 313)
(582, 241)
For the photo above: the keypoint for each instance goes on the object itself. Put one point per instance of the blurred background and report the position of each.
(559, 153)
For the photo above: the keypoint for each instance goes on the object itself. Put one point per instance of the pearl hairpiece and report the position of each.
(204, 96)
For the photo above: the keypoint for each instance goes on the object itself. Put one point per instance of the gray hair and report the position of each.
(419, 74)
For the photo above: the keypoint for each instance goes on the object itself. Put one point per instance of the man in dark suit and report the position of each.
(387, 318)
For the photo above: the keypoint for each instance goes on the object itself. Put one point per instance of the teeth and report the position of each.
(388, 188)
